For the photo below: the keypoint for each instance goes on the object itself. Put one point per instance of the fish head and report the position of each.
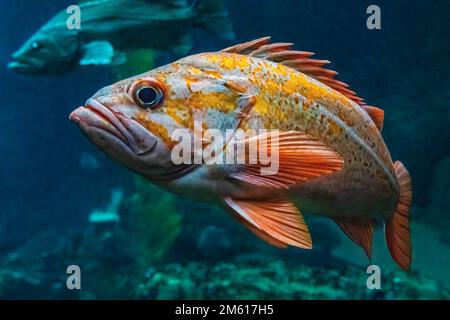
(139, 121)
(46, 52)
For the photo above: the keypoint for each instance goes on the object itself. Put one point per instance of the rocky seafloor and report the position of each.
(156, 250)
(265, 279)
(243, 277)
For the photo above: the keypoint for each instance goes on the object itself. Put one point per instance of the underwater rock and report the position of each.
(18, 285)
(432, 214)
(152, 219)
(111, 270)
(213, 242)
(197, 217)
(106, 258)
(441, 187)
(31, 271)
(113, 254)
(276, 279)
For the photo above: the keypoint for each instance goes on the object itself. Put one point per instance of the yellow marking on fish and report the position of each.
(212, 73)
(194, 71)
(156, 128)
(189, 80)
(229, 62)
(182, 111)
(181, 116)
(222, 101)
(278, 82)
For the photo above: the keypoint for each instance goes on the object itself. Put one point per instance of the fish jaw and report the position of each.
(21, 64)
(121, 138)
(95, 115)
(127, 142)
(18, 67)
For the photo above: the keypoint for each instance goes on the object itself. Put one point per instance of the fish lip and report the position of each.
(106, 114)
(18, 66)
(109, 121)
(85, 116)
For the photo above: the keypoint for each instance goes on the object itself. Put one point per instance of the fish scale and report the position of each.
(325, 113)
(330, 155)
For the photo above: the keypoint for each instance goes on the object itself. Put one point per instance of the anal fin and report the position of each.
(359, 232)
(276, 221)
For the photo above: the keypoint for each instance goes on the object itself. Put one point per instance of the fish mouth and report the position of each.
(96, 115)
(19, 66)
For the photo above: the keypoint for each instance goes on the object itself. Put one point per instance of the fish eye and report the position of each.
(35, 45)
(148, 95)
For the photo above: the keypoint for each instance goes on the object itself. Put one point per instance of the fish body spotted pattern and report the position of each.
(332, 159)
(286, 100)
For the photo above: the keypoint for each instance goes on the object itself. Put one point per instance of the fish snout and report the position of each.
(13, 65)
(96, 114)
(16, 55)
(17, 63)
(18, 66)
(103, 92)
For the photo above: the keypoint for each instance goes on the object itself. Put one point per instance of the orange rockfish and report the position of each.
(331, 159)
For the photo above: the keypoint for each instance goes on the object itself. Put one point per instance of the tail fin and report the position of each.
(397, 228)
(213, 16)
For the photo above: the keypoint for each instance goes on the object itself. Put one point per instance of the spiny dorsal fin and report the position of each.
(298, 60)
(247, 48)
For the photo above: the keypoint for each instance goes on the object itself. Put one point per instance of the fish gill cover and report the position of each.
(64, 203)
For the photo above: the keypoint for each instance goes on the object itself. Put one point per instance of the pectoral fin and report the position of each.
(97, 53)
(276, 221)
(293, 158)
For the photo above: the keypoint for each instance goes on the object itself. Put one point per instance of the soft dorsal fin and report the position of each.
(298, 60)
(376, 114)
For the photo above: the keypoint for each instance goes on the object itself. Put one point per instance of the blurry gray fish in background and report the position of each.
(110, 28)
